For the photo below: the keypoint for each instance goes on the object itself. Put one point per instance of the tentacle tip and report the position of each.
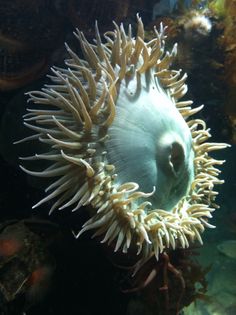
(76, 235)
(67, 46)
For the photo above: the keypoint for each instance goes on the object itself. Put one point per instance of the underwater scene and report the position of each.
(117, 157)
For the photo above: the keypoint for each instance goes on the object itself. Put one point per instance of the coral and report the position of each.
(199, 24)
(121, 143)
(225, 12)
(218, 7)
(170, 284)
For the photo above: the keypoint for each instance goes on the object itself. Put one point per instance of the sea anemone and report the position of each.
(122, 144)
(197, 26)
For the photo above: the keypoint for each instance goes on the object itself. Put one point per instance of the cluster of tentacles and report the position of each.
(79, 118)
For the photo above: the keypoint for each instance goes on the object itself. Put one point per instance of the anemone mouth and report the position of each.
(80, 119)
